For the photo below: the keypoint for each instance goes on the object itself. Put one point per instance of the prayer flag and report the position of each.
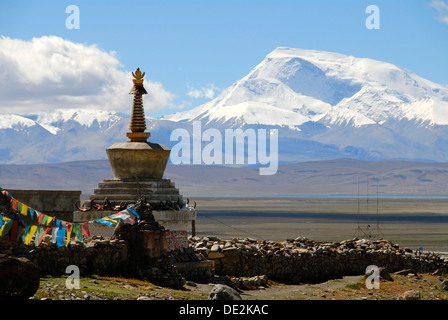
(120, 215)
(6, 226)
(26, 231)
(69, 233)
(19, 206)
(106, 222)
(60, 237)
(14, 230)
(29, 236)
(41, 231)
(77, 230)
(85, 229)
(54, 232)
(24, 209)
(131, 210)
(49, 219)
(40, 218)
(111, 220)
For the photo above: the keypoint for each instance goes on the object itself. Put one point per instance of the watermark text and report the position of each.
(237, 146)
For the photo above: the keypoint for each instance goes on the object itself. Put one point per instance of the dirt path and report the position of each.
(429, 287)
(278, 291)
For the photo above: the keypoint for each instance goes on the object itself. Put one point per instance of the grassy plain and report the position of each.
(410, 222)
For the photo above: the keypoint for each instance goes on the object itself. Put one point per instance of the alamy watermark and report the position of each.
(373, 277)
(237, 147)
(373, 20)
(73, 20)
(72, 281)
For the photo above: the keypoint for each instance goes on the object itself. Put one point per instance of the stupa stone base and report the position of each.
(130, 191)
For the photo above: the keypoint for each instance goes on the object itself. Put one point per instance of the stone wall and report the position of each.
(304, 260)
(290, 261)
(98, 256)
(58, 203)
(199, 270)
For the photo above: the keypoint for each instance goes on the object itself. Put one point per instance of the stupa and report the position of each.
(138, 167)
(137, 159)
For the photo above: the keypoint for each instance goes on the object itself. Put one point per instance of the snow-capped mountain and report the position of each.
(325, 105)
(68, 135)
(330, 105)
(293, 86)
(63, 135)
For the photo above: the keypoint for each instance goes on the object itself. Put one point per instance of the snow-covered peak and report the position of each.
(84, 117)
(13, 121)
(293, 86)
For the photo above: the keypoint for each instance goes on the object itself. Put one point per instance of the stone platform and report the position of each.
(130, 191)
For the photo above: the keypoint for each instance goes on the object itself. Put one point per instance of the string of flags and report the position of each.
(36, 224)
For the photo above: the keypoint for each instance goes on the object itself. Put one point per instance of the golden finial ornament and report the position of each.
(138, 123)
(138, 76)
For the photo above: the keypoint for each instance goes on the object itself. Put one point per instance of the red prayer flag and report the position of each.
(85, 229)
(13, 231)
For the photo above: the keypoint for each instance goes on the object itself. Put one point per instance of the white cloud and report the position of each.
(49, 73)
(204, 92)
(442, 8)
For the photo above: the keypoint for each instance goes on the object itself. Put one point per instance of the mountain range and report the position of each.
(324, 105)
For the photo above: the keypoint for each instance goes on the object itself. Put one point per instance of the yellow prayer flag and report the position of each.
(109, 219)
(24, 209)
(30, 235)
(48, 220)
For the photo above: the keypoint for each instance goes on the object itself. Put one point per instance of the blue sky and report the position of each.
(191, 45)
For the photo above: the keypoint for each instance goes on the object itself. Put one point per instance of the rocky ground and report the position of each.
(401, 285)
(404, 286)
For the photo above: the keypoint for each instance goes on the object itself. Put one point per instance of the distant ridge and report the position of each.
(331, 177)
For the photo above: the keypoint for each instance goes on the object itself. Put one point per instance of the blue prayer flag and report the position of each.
(131, 210)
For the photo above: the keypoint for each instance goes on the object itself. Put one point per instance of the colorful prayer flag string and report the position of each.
(39, 224)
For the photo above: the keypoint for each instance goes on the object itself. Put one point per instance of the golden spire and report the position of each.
(138, 76)
(138, 123)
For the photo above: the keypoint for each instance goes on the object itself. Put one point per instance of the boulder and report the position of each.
(223, 292)
(445, 285)
(385, 275)
(410, 295)
(216, 255)
(19, 278)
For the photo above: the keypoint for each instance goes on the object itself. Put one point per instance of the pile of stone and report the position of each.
(249, 283)
(5, 246)
(98, 255)
(213, 248)
(19, 278)
(184, 255)
(302, 259)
